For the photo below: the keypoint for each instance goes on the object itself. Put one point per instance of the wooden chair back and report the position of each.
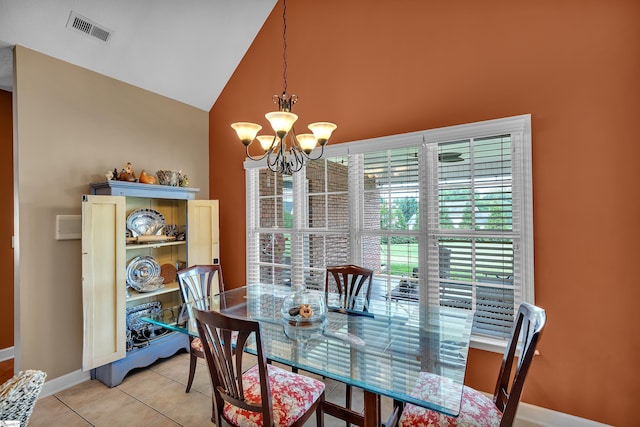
(226, 365)
(196, 284)
(295, 397)
(351, 282)
(525, 334)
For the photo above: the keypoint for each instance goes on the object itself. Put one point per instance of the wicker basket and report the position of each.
(19, 394)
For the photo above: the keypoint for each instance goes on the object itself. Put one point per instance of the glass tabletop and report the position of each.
(384, 351)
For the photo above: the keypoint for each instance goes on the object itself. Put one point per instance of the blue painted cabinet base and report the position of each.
(112, 374)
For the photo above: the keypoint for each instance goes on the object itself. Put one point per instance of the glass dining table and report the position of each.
(382, 351)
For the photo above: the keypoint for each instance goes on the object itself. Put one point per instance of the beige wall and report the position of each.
(72, 126)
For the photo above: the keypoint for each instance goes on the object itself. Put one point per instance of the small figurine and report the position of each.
(127, 173)
(184, 181)
(147, 179)
(129, 169)
(109, 175)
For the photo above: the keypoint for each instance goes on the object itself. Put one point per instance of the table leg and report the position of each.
(340, 412)
(371, 410)
(370, 418)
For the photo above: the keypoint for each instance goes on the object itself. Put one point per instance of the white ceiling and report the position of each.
(185, 50)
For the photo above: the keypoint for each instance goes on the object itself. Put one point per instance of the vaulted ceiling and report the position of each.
(184, 50)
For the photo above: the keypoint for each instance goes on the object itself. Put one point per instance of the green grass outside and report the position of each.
(403, 252)
(400, 253)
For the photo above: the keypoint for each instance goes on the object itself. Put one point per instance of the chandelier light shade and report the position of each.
(246, 131)
(267, 141)
(285, 151)
(281, 122)
(322, 131)
(307, 142)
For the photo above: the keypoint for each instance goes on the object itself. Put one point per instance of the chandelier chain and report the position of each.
(284, 45)
(285, 152)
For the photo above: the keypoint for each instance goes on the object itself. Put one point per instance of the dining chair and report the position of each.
(263, 395)
(476, 408)
(196, 283)
(353, 284)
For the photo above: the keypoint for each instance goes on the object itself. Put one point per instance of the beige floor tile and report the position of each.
(145, 382)
(175, 367)
(48, 409)
(201, 380)
(169, 396)
(338, 395)
(192, 409)
(86, 393)
(162, 421)
(330, 385)
(69, 419)
(119, 409)
(206, 423)
(329, 421)
(386, 405)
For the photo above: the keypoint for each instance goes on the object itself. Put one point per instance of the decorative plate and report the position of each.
(145, 222)
(141, 272)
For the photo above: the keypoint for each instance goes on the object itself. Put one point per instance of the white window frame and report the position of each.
(520, 129)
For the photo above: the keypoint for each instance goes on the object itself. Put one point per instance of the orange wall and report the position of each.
(6, 219)
(378, 68)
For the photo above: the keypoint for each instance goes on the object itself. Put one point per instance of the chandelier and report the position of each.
(285, 151)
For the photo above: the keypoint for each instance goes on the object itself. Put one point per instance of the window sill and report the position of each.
(493, 345)
(488, 344)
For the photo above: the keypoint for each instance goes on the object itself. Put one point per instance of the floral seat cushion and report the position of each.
(292, 396)
(476, 409)
(196, 344)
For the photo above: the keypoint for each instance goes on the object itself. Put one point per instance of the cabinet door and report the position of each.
(203, 241)
(103, 280)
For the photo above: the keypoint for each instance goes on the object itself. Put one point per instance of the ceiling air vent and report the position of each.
(88, 27)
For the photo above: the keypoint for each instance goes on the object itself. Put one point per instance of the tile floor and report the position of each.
(154, 397)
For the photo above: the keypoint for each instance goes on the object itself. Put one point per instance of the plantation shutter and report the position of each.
(252, 221)
(442, 216)
(269, 226)
(389, 216)
(471, 236)
(324, 208)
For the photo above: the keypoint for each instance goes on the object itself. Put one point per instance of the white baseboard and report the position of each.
(6, 354)
(55, 385)
(61, 383)
(536, 416)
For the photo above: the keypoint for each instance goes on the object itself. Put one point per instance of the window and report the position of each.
(442, 216)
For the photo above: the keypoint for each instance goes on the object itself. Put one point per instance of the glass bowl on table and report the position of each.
(304, 314)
